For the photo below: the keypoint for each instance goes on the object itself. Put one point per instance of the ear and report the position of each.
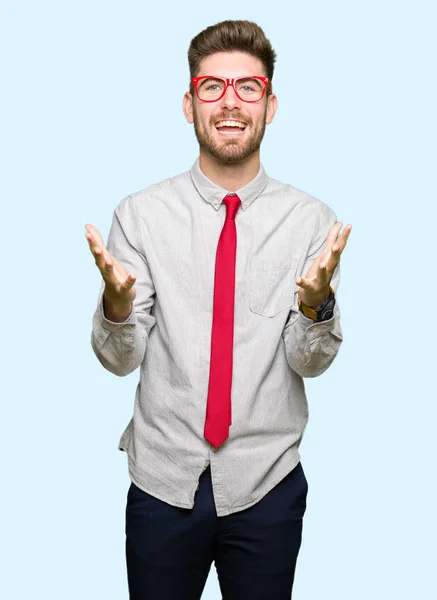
(272, 106)
(187, 107)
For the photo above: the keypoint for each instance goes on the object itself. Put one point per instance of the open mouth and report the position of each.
(230, 126)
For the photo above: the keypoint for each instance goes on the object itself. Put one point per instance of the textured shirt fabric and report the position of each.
(167, 236)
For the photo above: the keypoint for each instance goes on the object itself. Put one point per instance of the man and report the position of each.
(216, 472)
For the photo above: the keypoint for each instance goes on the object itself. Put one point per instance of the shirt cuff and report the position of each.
(113, 325)
(314, 328)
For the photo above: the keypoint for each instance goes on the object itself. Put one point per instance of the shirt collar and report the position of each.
(213, 193)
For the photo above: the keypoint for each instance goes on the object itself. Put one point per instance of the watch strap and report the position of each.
(311, 313)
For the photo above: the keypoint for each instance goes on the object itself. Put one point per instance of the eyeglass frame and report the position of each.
(230, 82)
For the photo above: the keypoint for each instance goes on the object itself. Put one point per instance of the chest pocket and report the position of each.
(272, 285)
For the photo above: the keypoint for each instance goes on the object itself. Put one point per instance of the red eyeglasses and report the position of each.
(210, 88)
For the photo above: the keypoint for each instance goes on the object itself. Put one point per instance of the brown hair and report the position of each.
(228, 36)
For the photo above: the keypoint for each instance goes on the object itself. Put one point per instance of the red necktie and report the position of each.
(218, 411)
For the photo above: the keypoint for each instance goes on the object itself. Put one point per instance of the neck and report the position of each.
(231, 177)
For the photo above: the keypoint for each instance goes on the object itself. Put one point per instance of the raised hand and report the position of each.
(314, 288)
(119, 292)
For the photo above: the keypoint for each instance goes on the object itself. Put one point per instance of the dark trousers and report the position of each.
(169, 550)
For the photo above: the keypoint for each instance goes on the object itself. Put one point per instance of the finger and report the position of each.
(99, 252)
(324, 277)
(108, 265)
(101, 263)
(96, 234)
(129, 282)
(329, 259)
(102, 257)
(106, 268)
(333, 235)
(96, 250)
(92, 242)
(306, 284)
(342, 240)
(89, 236)
(336, 249)
(325, 268)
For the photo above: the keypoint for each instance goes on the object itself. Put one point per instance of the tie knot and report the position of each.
(232, 203)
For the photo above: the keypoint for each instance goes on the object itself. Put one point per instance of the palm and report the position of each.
(119, 284)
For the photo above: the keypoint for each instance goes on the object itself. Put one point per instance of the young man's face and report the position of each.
(235, 145)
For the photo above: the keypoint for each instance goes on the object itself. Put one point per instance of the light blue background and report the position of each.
(82, 125)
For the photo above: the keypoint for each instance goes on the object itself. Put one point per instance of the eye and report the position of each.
(210, 85)
(250, 87)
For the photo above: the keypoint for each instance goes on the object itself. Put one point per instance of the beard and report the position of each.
(229, 151)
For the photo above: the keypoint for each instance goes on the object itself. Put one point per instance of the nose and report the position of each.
(230, 100)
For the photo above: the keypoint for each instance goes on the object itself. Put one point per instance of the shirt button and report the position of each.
(214, 449)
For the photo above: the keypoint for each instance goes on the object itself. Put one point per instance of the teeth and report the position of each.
(230, 124)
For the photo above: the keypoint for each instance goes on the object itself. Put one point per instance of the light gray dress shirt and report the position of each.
(167, 236)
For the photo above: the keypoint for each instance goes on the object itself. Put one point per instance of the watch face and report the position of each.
(327, 312)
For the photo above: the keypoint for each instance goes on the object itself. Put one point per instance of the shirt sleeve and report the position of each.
(120, 347)
(312, 346)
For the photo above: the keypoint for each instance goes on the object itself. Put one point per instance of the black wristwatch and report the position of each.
(325, 311)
